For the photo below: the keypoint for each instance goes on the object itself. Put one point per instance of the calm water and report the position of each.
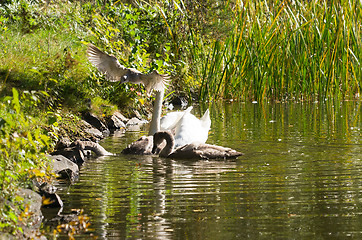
(300, 178)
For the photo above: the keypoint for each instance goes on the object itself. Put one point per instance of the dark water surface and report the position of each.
(300, 178)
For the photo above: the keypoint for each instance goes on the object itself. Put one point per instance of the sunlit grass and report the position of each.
(42, 50)
(46, 60)
(305, 50)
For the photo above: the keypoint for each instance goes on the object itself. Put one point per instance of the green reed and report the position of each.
(284, 50)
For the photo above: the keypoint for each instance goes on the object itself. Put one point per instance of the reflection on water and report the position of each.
(300, 178)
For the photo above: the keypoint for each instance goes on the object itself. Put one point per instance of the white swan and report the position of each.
(190, 151)
(186, 127)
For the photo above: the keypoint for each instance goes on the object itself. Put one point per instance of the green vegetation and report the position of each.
(213, 49)
(27, 134)
(22, 155)
(244, 50)
(43, 48)
(288, 50)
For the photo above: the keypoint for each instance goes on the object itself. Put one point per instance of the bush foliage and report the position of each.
(22, 154)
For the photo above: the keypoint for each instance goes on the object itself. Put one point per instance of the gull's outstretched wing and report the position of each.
(106, 64)
(155, 81)
(114, 71)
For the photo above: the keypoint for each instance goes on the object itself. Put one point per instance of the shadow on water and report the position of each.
(300, 178)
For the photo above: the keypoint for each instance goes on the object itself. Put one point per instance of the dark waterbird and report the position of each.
(190, 151)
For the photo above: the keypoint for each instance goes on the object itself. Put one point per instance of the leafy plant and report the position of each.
(22, 154)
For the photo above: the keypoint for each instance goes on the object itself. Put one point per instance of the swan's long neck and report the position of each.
(156, 115)
(170, 142)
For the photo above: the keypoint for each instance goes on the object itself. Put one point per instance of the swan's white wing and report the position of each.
(154, 81)
(205, 122)
(171, 119)
(190, 129)
(106, 64)
(205, 119)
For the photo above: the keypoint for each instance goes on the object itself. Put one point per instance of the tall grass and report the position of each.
(283, 50)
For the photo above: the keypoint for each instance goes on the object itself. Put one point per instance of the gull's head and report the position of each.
(124, 79)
